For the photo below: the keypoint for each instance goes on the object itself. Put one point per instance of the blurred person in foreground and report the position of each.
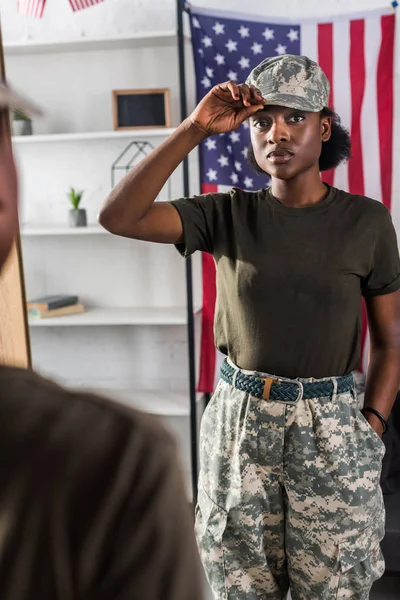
(92, 504)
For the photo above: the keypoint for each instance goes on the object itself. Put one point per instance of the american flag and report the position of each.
(357, 54)
(31, 8)
(81, 4)
(35, 8)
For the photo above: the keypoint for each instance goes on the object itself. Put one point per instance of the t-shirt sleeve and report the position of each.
(384, 277)
(199, 216)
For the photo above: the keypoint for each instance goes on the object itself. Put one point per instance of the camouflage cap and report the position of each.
(292, 81)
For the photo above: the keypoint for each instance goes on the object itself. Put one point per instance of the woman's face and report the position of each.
(287, 142)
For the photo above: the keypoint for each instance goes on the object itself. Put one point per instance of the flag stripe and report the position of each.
(31, 8)
(369, 125)
(82, 4)
(364, 338)
(207, 348)
(357, 79)
(325, 53)
(385, 92)
(341, 83)
(325, 60)
(309, 40)
(207, 371)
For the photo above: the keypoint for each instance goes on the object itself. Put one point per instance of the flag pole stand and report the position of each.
(189, 285)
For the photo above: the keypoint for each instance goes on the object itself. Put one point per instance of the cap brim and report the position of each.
(15, 101)
(290, 101)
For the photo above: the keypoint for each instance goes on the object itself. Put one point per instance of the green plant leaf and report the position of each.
(75, 197)
(19, 115)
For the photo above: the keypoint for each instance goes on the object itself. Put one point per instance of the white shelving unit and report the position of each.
(54, 229)
(93, 136)
(114, 348)
(139, 40)
(117, 316)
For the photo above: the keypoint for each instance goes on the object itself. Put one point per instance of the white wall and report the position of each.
(111, 18)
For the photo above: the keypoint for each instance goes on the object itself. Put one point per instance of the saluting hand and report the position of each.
(226, 107)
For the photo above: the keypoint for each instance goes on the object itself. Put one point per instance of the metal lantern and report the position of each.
(131, 156)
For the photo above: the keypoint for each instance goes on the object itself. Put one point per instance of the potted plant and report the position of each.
(21, 123)
(77, 216)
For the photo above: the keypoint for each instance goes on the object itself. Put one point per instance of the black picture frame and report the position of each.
(141, 109)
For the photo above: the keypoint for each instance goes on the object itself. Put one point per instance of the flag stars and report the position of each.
(210, 72)
(196, 23)
(234, 177)
(201, 51)
(220, 58)
(248, 182)
(219, 28)
(245, 152)
(238, 166)
(235, 137)
(232, 75)
(269, 34)
(246, 125)
(280, 49)
(207, 41)
(212, 174)
(257, 48)
(231, 45)
(293, 35)
(211, 144)
(223, 160)
(206, 82)
(229, 148)
(244, 32)
(244, 62)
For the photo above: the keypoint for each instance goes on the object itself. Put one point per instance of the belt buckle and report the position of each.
(268, 381)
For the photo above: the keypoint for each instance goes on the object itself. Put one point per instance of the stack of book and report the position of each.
(54, 306)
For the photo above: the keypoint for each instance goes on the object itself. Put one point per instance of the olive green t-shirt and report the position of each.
(290, 280)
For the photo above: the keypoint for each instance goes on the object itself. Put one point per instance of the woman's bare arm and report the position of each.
(383, 376)
(130, 209)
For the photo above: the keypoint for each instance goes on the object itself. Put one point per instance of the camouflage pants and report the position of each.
(289, 495)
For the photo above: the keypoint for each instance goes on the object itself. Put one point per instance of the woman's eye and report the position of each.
(297, 118)
(261, 124)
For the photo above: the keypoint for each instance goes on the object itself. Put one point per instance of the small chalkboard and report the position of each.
(133, 109)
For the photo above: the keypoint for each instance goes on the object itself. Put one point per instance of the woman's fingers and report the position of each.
(256, 95)
(234, 89)
(247, 93)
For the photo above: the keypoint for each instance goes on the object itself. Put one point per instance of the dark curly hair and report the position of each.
(335, 151)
